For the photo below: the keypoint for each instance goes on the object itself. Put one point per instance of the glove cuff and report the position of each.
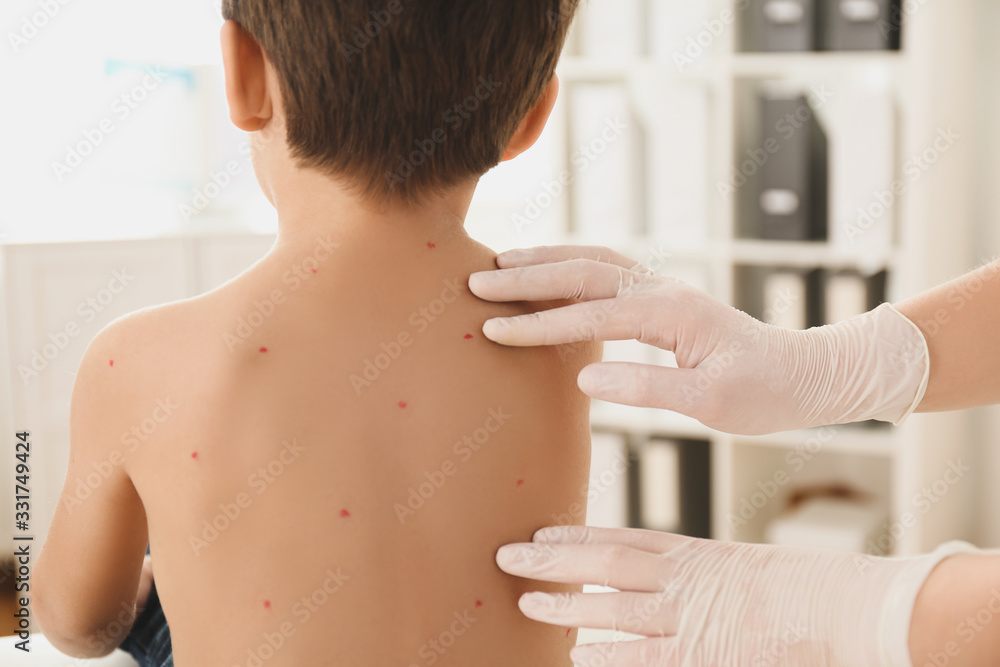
(924, 358)
(897, 612)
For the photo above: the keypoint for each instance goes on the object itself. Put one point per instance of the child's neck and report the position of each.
(310, 203)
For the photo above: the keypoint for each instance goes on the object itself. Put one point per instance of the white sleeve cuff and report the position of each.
(925, 355)
(897, 614)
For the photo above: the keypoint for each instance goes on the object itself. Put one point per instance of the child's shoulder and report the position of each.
(115, 387)
(134, 350)
(140, 334)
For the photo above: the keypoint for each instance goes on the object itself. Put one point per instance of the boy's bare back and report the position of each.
(344, 454)
(325, 453)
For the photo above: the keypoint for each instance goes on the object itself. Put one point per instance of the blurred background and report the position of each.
(803, 160)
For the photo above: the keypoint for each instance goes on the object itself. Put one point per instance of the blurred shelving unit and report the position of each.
(685, 65)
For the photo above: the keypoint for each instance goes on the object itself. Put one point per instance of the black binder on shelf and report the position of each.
(792, 298)
(794, 180)
(849, 293)
(693, 484)
(854, 25)
(782, 25)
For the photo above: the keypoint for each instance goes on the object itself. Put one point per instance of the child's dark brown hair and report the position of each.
(401, 98)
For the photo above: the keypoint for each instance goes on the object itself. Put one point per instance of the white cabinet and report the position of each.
(56, 298)
(218, 259)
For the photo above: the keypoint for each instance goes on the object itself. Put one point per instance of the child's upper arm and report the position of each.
(87, 576)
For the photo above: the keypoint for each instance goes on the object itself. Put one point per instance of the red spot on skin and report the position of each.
(468, 336)
(267, 604)
(402, 404)
(431, 245)
(263, 349)
(479, 603)
(194, 455)
(567, 631)
(315, 270)
(520, 482)
(111, 362)
(345, 513)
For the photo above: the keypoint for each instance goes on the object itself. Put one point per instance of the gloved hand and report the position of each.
(736, 374)
(702, 603)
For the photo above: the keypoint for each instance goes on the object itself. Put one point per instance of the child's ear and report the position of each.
(531, 127)
(250, 100)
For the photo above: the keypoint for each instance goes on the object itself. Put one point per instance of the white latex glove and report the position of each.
(707, 604)
(735, 374)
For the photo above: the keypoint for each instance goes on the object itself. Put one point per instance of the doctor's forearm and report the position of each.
(961, 321)
(956, 621)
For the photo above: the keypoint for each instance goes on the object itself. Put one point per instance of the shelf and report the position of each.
(806, 254)
(610, 416)
(844, 439)
(852, 63)
(588, 68)
(768, 478)
(643, 249)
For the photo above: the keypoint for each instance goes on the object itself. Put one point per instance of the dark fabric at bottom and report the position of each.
(149, 640)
